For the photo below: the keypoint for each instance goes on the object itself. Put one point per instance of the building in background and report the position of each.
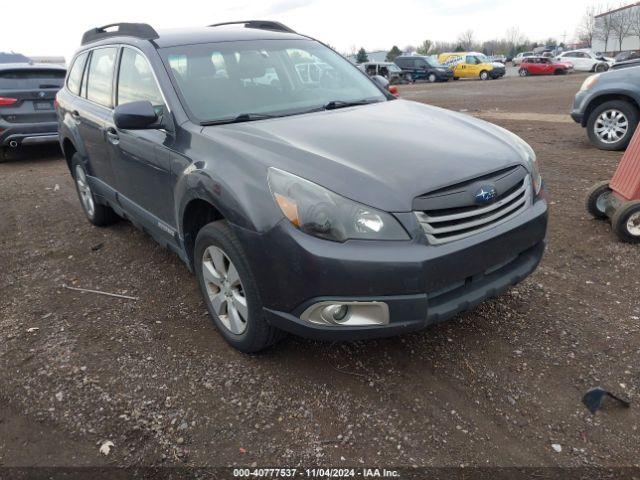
(375, 56)
(54, 60)
(609, 26)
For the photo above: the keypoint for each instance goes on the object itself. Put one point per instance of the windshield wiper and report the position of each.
(333, 104)
(243, 117)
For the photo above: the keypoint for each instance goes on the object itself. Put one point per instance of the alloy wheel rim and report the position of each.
(225, 290)
(611, 126)
(85, 191)
(633, 224)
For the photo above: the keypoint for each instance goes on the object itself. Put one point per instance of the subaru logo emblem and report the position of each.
(486, 194)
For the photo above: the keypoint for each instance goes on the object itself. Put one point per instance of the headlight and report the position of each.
(528, 152)
(322, 213)
(589, 82)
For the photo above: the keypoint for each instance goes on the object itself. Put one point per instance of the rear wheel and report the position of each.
(98, 214)
(230, 290)
(456, 78)
(523, 72)
(611, 125)
(484, 75)
(601, 67)
(597, 199)
(626, 222)
(432, 78)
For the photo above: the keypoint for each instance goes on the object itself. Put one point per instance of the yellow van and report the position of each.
(472, 65)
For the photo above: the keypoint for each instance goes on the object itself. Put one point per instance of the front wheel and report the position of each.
(484, 75)
(601, 67)
(523, 72)
(229, 289)
(611, 125)
(626, 222)
(432, 78)
(456, 78)
(597, 200)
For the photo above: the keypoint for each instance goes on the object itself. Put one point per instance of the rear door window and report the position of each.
(75, 75)
(100, 75)
(31, 78)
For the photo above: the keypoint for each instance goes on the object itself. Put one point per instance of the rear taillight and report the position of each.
(5, 101)
(393, 90)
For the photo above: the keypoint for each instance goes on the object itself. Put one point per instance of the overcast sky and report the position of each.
(38, 27)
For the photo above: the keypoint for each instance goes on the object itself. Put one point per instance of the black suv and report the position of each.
(27, 115)
(304, 196)
(417, 67)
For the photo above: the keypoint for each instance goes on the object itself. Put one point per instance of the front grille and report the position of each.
(442, 226)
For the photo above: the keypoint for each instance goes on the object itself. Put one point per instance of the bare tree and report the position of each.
(621, 25)
(409, 49)
(425, 47)
(465, 39)
(514, 37)
(587, 27)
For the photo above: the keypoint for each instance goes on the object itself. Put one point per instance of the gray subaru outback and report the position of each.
(303, 195)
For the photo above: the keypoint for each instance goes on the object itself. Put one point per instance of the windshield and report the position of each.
(220, 81)
(433, 63)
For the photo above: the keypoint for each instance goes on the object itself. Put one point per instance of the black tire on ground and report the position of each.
(601, 67)
(596, 198)
(102, 215)
(626, 222)
(258, 334)
(432, 78)
(523, 72)
(456, 78)
(559, 71)
(628, 109)
(484, 75)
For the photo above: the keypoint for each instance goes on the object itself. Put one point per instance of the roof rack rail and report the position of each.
(138, 30)
(259, 24)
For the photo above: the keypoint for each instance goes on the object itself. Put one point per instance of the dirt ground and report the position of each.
(496, 386)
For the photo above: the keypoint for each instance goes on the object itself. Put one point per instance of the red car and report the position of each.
(543, 66)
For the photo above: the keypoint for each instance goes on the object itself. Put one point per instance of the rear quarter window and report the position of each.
(31, 79)
(75, 74)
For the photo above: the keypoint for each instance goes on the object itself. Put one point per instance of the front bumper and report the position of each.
(580, 102)
(421, 284)
(28, 133)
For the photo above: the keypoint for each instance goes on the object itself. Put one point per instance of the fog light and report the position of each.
(347, 313)
(335, 313)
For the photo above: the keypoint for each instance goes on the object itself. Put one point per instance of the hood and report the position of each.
(382, 155)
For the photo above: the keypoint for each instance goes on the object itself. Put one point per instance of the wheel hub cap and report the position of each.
(225, 290)
(633, 224)
(85, 191)
(611, 126)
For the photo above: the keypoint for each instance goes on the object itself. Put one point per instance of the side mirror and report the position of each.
(135, 116)
(381, 81)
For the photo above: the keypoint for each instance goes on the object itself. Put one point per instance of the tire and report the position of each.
(484, 75)
(609, 111)
(98, 214)
(596, 200)
(626, 222)
(523, 72)
(601, 67)
(432, 78)
(238, 314)
(559, 72)
(456, 78)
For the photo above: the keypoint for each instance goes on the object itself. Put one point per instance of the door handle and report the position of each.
(112, 135)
